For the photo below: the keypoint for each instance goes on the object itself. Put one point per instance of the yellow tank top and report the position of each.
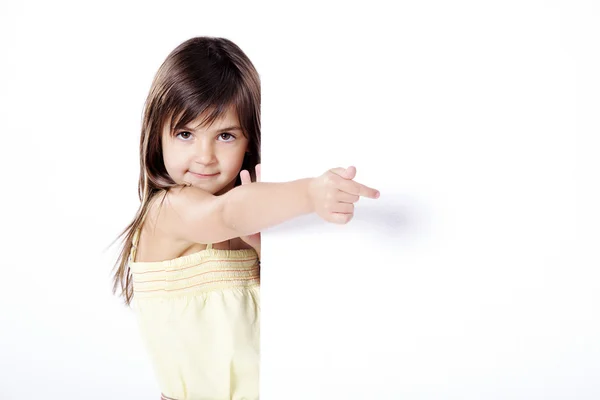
(199, 319)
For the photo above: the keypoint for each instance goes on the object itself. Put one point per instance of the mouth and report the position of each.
(203, 175)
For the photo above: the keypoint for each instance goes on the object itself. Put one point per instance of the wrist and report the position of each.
(310, 194)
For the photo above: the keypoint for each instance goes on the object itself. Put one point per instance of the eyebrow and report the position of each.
(229, 128)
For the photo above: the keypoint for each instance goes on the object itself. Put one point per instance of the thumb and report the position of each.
(245, 177)
(349, 173)
(346, 173)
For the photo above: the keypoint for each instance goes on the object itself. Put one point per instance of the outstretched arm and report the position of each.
(193, 215)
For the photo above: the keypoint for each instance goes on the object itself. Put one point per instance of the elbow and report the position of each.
(225, 211)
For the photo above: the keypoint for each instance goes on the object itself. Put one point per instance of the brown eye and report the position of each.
(184, 135)
(227, 137)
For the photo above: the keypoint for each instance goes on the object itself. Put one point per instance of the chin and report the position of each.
(225, 188)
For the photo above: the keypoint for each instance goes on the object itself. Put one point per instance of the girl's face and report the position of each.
(208, 157)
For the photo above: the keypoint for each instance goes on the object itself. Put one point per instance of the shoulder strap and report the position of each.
(209, 246)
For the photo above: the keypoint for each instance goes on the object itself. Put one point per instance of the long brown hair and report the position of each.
(202, 76)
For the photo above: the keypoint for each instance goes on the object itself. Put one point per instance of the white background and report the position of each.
(474, 276)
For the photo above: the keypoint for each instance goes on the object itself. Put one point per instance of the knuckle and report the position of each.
(332, 180)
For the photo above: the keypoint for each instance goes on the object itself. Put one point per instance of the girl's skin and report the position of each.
(254, 239)
(212, 210)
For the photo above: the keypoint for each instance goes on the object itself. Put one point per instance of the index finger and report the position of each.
(358, 189)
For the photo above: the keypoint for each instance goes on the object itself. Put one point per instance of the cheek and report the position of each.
(173, 163)
(235, 161)
(169, 166)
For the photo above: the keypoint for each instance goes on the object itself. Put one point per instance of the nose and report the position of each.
(205, 153)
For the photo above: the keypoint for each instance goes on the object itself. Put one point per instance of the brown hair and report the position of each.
(202, 76)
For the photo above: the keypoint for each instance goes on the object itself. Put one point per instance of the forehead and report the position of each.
(228, 118)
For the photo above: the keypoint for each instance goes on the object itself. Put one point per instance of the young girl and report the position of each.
(190, 261)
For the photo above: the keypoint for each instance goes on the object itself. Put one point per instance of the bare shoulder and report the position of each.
(188, 215)
(158, 240)
(170, 208)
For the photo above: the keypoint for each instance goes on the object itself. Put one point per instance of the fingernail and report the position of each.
(376, 195)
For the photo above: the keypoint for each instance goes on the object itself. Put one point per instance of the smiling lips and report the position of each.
(204, 175)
